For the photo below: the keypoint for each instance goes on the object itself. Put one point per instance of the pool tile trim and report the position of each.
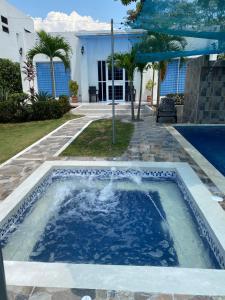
(209, 214)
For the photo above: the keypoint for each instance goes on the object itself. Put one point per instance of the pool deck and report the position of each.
(150, 142)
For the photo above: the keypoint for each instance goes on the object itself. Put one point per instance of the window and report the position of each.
(5, 29)
(118, 74)
(118, 92)
(4, 20)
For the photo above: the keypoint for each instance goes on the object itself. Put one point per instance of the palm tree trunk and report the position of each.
(132, 100)
(52, 77)
(158, 89)
(140, 96)
(153, 79)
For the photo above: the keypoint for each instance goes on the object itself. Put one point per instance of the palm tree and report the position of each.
(127, 61)
(52, 46)
(140, 67)
(159, 42)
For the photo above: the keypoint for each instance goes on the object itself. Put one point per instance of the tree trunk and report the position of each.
(153, 79)
(140, 96)
(158, 89)
(52, 78)
(132, 100)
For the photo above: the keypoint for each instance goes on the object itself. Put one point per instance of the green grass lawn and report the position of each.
(15, 137)
(96, 140)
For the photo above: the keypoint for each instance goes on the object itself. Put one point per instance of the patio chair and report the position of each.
(167, 109)
(93, 94)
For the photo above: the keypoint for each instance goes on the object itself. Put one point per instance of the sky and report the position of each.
(70, 15)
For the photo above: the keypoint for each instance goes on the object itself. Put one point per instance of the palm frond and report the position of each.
(64, 58)
(50, 45)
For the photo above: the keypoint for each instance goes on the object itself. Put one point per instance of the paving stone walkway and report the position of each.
(29, 293)
(153, 142)
(150, 142)
(14, 172)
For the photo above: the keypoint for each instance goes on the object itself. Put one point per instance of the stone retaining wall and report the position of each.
(204, 91)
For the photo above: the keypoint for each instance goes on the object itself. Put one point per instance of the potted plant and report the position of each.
(149, 86)
(73, 85)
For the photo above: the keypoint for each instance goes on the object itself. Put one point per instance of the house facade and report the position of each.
(89, 68)
(15, 28)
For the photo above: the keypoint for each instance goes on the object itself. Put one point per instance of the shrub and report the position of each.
(10, 77)
(42, 96)
(64, 103)
(17, 109)
(18, 98)
(4, 94)
(7, 112)
(44, 110)
(178, 98)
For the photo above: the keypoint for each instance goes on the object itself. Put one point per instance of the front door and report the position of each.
(105, 83)
(119, 84)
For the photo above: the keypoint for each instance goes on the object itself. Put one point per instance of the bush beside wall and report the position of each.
(18, 108)
(10, 77)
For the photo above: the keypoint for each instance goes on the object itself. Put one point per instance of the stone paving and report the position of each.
(153, 142)
(29, 293)
(150, 142)
(17, 170)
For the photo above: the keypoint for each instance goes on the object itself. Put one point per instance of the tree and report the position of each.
(29, 72)
(140, 67)
(52, 46)
(159, 42)
(127, 2)
(127, 61)
(10, 76)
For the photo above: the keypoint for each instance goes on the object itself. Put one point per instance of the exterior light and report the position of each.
(21, 51)
(82, 50)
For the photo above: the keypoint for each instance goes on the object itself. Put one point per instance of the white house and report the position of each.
(90, 51)
(15, 26)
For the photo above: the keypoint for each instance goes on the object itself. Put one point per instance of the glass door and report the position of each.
(102, 94)
(119, 84)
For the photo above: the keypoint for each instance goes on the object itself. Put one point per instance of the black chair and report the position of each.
(167, 109)
(93, 94)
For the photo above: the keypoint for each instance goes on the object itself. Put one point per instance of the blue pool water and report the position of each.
(209, 141)
(132, 234)
(127, 220)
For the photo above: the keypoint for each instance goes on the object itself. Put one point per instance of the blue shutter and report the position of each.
(62, 78)
(169, 85)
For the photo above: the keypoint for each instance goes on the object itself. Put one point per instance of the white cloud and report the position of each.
(58, 21)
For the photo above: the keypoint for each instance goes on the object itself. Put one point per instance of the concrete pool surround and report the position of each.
(208, 213)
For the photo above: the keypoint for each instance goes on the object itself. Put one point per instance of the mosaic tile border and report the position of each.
(25, 207)
(56, 173)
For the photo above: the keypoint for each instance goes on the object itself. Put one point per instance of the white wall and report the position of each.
(11, 42)
(32, 39)
(84, 68)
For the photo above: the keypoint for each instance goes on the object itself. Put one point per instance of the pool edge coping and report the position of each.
(214, 175)
(194, 185)
(161, 280)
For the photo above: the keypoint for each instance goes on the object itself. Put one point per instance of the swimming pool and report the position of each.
(102, 218)
(209, 141)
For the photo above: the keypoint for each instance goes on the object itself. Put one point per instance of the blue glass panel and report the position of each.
(62, 78)
(174, 81)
